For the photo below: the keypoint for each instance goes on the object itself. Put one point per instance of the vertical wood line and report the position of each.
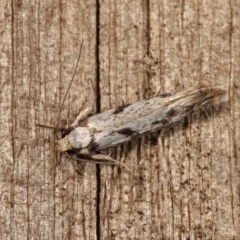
(98, 109)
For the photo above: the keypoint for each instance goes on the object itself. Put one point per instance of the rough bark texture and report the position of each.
(180, 184)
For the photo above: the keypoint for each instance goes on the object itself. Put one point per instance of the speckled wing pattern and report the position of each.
(116, 126)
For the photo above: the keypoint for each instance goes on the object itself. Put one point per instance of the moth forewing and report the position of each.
(121, 124)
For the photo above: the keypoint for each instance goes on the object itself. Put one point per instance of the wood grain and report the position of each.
(183, 182)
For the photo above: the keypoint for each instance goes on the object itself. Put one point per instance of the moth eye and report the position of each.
(80, 137)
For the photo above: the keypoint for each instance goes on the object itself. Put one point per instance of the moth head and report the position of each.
(78, 138)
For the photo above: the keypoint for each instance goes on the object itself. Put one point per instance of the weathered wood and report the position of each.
(45, 200)
(183, 183)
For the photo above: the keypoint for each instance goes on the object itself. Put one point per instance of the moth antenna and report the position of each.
(69, 86)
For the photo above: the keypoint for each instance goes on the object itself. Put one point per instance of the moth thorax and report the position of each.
(80, 137)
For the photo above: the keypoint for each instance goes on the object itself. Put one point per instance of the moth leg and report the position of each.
(82, 115)
(79, 166)
(95, 158)
(84, 156)
(103, 157)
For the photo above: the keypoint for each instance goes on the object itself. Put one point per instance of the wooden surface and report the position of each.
(180, 184)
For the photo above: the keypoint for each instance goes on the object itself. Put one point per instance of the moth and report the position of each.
(86, 137)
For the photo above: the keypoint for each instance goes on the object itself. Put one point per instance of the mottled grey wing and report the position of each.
(119, 125)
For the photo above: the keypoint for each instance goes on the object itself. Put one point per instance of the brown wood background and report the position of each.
(183, 184)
